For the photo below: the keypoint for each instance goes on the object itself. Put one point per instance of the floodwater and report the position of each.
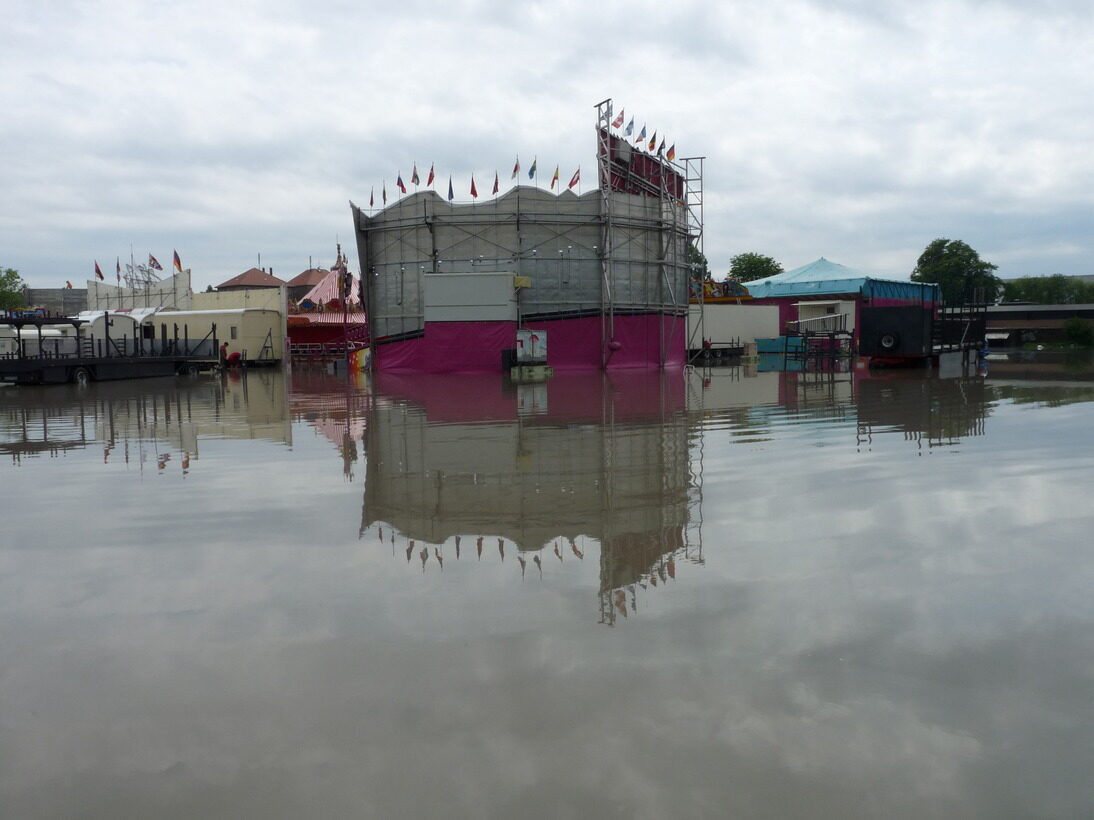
(723, 594)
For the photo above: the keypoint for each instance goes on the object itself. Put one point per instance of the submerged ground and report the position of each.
(725, 594)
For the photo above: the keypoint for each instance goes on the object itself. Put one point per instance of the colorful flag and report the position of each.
(554, 179)
(576, 178)
(516, 168)
(154, 263)
(618, 121)
(653, 141)
(414, 175)
(178, 262)
(642, 135)
(399, 182)
(630, 128)
(68, 285)
(495, 183)
(474, 192)
(671, 155)
(451, 196)
(430, 180)
(372, 197)
(661, 147)
(98, 272)
(532, 170)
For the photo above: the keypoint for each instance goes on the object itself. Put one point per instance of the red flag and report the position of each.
(618, 121)
(178, 262)
(98, 272)
(671, 155)
(495, 182)
(576, 178)
(474, 190)
(554, 179)
(399, 182)
(516, 169)
(430, 180)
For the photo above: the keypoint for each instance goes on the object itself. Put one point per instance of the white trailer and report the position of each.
(254, 333)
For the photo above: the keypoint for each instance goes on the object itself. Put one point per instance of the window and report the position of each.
(232, 331)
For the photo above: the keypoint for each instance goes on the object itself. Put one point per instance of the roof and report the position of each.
(823, 277)
(328, 289)
(312, 276)
(253, 278)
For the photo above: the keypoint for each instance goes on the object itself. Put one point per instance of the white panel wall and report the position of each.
(725, 323)
(470, 297)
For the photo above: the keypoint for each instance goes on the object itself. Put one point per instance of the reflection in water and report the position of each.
(584, 460)
(891, 618)
(146, 418)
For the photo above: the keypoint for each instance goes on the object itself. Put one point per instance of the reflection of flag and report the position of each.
(554, 179)
(154, 263)
(516, 169)
(671, 155)
(414, 175)
(430, 180)
(532, 170)
(495, 182)
(576, 178)
(618, 121)
(653, 141)
(98, 272)
(474, 192)
(178, 262)
(629, 129)
(451, 196)
(399, 182)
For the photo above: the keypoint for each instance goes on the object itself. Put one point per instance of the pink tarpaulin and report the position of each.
(573, 344)
(573, 397)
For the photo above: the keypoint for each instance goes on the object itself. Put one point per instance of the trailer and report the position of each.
(256, 334)
(54, 350)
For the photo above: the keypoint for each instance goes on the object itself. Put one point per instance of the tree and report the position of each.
(748, 267)
(960, 272)
(700, 270)
(11, 289)
(1049, 290)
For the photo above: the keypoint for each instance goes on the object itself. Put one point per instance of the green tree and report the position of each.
(748, 267)
(958, 270)
(1049, 290)
(11, 289)
(1079, 332)
(700, 270)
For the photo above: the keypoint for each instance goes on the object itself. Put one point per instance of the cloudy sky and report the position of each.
(859, 130)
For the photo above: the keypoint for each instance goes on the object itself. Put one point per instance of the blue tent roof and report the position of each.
(824, 278)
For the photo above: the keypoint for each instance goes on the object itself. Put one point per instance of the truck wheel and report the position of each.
(81, 376)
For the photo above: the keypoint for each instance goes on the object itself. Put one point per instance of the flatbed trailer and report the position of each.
(84, 369)
(29, 356)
